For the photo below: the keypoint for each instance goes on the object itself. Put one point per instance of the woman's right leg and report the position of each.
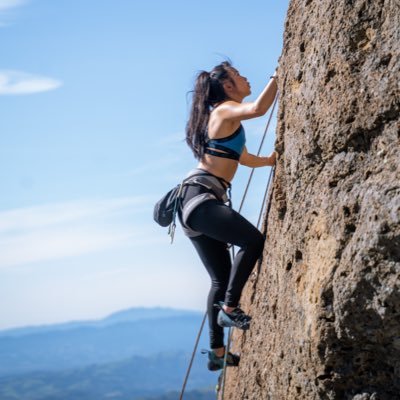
(215, 257)
(221, 223)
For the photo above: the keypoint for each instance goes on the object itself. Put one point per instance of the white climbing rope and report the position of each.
(258, 222)
(233, 256)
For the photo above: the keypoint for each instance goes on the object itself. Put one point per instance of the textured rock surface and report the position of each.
(326, 300)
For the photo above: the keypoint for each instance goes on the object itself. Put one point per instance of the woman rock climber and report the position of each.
(215, 135)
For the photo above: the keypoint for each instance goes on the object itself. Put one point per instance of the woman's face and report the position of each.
(241, 83)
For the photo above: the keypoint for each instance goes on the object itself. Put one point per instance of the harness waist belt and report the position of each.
(216, 189)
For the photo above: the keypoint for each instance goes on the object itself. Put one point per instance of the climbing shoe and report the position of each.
(215, 363)
(237, 318)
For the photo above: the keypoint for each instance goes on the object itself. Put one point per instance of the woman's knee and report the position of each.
(258, 244)
(255, 241)
(260, 240)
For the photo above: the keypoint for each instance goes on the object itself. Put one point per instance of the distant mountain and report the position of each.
(137, 378)
(135, 314)
(137, 332)
(129, 315)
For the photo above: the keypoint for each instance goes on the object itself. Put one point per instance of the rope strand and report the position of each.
(193, 355)
(240, 208)
(258, 153)
(267, 188)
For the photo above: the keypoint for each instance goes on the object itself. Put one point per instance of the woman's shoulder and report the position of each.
(228, 112)
(222, 110)
(225, 105)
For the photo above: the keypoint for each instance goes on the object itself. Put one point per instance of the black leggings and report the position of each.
(220, 225)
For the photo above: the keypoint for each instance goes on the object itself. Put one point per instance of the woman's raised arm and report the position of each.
(232, 110)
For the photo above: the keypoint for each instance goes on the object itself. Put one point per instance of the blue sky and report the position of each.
(93, 99)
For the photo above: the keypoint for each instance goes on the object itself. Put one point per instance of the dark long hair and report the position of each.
(208, 91)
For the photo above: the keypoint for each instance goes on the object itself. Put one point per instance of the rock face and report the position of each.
(325, 300)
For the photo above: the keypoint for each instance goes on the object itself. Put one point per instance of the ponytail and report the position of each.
(208, 92)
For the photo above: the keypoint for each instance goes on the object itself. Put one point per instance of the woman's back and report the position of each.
(218, 129)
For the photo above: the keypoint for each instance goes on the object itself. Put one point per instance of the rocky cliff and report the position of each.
(325, 300)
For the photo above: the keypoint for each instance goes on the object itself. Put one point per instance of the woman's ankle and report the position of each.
(219, 352)
(228, 309)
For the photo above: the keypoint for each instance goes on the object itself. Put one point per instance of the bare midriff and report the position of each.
(222, 167)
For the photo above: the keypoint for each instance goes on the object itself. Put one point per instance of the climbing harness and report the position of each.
(167, 208)
(212, 187)
(221, 379)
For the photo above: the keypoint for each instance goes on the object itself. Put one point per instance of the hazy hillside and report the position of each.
(121, 335)
(135, 378)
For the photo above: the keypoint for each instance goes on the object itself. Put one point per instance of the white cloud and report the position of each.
(55, 244)
(8, 4)
(37, 217)
(6, 9)
(61, 230)
(17, 83)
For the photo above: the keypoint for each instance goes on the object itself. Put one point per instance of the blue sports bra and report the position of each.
(232, 145)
